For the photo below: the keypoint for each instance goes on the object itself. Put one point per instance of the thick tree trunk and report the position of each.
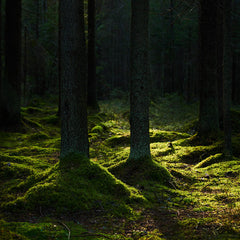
(139, 96)
(11, 87)
(208, 114)
(92, 81)
(74, 132)
(227, 76)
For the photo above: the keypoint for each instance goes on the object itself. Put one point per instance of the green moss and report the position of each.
(76, 185)
(117, 140)
(97, 129)
(29, 123)
(38, 136)
(210, 160)
(31, 110)
(196, 154)
(165, 136)
(51, 119)
(14, 170)
(37, 231)
(182, 176)
(133, 172)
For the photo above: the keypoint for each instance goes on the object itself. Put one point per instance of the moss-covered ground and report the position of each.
(190, 190)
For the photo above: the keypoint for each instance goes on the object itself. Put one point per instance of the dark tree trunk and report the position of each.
(74, 132)
(227, 76)
(37, 19)
(59, 62)
(92, 83)
(1, 57)
(208, 113)
(25, 53)
(219, 45)
(139, 95)
(11, 87)
(169, 53)
(188, 83)
(44, 3)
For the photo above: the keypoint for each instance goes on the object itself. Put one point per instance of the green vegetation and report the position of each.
(189, 191)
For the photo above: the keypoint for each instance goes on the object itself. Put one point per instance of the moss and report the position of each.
(51, 119)
(118, 140)
(38, 136)
(77, 185)
(133, 172)
(23, 160)
(182, 176)
(31, 110)
(210, 160)
(29, 123)
(165, 136)
(31, 151)
(37, 231)
(14, 170)
(6, 234)
(193, 155)
(97, 129)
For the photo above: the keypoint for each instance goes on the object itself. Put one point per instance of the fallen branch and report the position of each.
(69, 231)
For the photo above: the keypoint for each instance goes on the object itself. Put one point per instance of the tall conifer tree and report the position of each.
(208, 114)
(92, 83)
(227, 75)
(74, 132)
(11, 84)
(139, 96)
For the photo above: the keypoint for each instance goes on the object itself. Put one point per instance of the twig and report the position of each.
(69, 231)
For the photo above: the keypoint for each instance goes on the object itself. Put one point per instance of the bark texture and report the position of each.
(208, 114)
(92, 83)
(74, 133)
(11, 84)
(139, 96)
(227, 76)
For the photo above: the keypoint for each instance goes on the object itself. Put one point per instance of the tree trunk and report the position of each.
(227, 76)
(25, 53)
(1, 57)
(219, 27)
(208, 113)
(139, 95)
(59, 62)
(92, 83)
(74, 132)
(11, 87)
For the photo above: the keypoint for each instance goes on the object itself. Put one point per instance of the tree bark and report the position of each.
(227, 76)
(1, 57)
(92, 81)
(74, 132)
(11, 87)
(208, 112)
(219, 27)
(139, 90)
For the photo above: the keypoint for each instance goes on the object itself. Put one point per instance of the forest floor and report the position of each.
(198, 198)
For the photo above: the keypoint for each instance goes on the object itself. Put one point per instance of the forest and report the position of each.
(119, 119)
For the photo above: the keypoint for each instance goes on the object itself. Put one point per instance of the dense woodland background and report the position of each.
(119, 116)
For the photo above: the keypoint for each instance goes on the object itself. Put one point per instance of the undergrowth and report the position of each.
(189, 189)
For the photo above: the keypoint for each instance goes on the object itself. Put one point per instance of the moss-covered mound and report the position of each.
(76, 185)
(137, 171)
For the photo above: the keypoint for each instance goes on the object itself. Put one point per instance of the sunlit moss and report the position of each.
(77, 185)
(188, 177)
